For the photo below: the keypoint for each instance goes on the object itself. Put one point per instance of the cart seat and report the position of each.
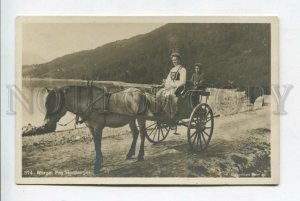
(183, 89)
(204, 93)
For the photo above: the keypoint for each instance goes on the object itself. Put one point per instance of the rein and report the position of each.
(83, 113)
(67, 123)
(106, 110)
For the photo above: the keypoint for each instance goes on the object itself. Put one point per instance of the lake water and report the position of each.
(35, 116)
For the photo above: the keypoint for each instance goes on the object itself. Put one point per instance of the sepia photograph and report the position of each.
(147, 100)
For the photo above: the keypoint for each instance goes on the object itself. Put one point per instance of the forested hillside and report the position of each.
(231, 53)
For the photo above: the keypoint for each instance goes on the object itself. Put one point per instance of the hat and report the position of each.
(175, 54)
(198, 64)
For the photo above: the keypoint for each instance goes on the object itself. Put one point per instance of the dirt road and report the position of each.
(240, 147)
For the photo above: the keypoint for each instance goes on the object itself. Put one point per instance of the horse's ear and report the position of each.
(48, 90)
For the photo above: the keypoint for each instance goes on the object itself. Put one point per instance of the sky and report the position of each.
(51, 40)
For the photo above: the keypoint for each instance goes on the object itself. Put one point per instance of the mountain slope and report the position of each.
(29, 58)
(235, 53)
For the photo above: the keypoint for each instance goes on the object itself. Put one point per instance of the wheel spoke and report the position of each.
(203, 138)
(150, 126)
(198, 119)
(200, 113)
(154, 135)
(207, 120)
(158, 134)
(162, 133)
(193, 123)
(206, 133)
(193, 134)
(200, 141)
(167, 130)
(195, 120)
(209, 116)
(195, 138)
(193, 126)
(152, 131)
(195, 143)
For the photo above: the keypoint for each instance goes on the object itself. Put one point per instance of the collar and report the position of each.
(178, 66)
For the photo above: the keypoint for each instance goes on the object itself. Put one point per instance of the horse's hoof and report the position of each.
(97, 172)
(103, 171)
(129, 157)
(141, 158)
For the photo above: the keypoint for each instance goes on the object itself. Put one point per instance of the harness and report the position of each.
(106, 95)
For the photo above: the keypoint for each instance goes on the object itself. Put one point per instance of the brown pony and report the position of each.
(98, 109)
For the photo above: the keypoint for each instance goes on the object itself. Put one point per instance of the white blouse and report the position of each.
(176, 77)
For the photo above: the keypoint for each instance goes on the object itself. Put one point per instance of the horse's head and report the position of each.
(54, 109)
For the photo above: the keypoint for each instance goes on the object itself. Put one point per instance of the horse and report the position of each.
(99, 109)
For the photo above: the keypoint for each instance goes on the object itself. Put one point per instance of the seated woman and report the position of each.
(176, 76)
(175, 79)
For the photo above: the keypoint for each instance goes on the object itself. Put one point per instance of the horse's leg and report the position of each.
(142, 125)
(97, 135)
(135, 135)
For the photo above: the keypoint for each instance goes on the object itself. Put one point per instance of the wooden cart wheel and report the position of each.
(200, 128)
(157, 131)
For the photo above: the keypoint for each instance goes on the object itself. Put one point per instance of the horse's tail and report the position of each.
(148, 112)
(137, 102)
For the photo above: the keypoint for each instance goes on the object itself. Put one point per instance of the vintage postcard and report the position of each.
(147, 100)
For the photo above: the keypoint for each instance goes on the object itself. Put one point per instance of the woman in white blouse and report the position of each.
(176, 76)
(175, 79)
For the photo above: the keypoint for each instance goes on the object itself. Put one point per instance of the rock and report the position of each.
(244, 107)
(234, 172)
(239, 159)
(267, 99)
(254, 174)
(215, 172)
(259, 102)
(169, 151)
(200, 170)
